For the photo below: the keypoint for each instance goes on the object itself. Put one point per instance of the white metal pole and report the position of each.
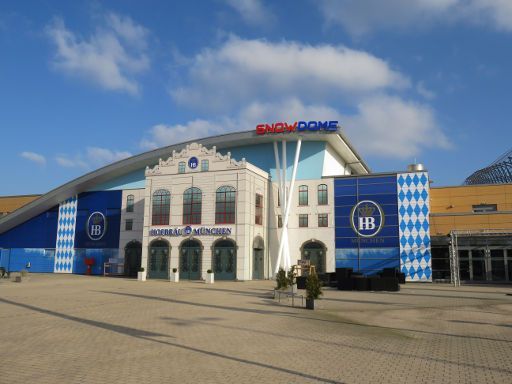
(285, 201)
(279, 182)
(288, 203)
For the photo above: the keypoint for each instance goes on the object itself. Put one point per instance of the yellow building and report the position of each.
(474, 222)
(9, 204)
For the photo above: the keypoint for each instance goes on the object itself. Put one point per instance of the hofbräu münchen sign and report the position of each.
(189, 231)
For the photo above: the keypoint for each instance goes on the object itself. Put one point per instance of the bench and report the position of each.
(278, 293)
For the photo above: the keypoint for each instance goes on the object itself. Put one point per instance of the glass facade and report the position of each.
(258, 217)
(323, 220)
(322, 194)
(225, 205)
(161, 207)
(303, 195)
(354, 248)
(192, 205)
(303, 221)
(130, 203)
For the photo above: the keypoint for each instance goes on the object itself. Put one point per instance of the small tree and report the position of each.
(281, 279)
(291, 276)
(313, 286)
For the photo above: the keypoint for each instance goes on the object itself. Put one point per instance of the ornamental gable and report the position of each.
(192, 157)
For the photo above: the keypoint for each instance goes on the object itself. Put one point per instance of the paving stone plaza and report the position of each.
(80, 329)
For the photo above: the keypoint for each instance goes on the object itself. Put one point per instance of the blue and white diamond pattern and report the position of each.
(65, 245)
(413, 219)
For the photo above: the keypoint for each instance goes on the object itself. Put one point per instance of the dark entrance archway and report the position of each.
(258, 262)
(224, 260)
(190, 260)
(158, 263)
(314, 251)
(132, 258)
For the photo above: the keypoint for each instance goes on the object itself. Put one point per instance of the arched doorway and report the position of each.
(258, 263)
(224, 260)
(158, 266)
(314, 251)
(190, 260)
(132, 258)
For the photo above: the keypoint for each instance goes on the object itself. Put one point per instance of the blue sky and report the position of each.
(83, 84)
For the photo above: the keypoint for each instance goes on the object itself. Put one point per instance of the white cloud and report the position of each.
(424, 91)
(99, 155)
(246, 82)
(161, 135)
(497, 12)
(110, 57)
(67, 162)
(35, 157)
(360, 17)
(252, 11)
(382, 125)
(241, 71)
(391, 127)
(92, 158)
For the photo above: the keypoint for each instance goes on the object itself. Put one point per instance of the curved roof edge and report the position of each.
(122, 167)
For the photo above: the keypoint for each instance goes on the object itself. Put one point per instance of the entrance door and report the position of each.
(132, 258)
(159, 260)
(224, 260)
(497, 261)
(190, 260)
(258, 264)
(478, 264)
(314, 252)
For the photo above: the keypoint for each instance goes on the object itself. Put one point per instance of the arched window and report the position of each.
(192, 201)
(303, 195)
(225, 205)
(129, 203)
(161, 207)
(322, 194)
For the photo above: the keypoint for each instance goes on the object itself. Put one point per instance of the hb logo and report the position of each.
(366, 223)
(95, 230)
(96, 226)
(367, 218)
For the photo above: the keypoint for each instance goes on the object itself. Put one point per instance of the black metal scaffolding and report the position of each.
(499, 172)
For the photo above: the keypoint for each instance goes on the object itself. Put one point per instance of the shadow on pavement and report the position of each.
(144, 335)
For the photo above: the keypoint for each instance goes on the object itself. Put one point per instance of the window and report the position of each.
(303, 195)
(279, 221)
(278, 197)
(225, 205)
(161, 207)
(129, 203)
(259, 209)
(181, 167)
(322, 194)
(192, 201)
(303, 221)
(483, 208)
(128, 225)
(323, 220)
(205, 165)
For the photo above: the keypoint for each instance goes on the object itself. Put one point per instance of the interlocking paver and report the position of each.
(79, 329)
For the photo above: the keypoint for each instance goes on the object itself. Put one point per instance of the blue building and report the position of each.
(241, 204)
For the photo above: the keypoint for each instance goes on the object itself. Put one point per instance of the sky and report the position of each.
(84, 84)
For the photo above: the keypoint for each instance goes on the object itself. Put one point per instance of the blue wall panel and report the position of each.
(100, 257)
(40, 260)
(311, 158)
(38, 232)
(366, 254)
(106, 202)
(134, 180)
